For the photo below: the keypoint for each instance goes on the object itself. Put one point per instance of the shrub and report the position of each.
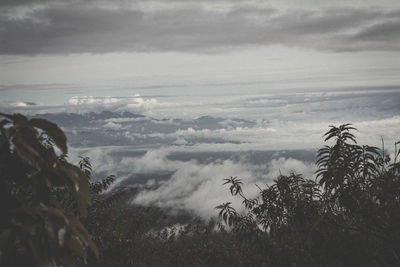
(348, 216)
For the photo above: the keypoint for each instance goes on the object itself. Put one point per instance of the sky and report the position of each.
(51, 51)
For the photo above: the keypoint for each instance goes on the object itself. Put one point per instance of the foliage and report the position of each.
(37, 228)
(352, 210)
(101, 202)
(347, 216)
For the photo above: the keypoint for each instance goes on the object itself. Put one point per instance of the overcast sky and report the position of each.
(52, 50)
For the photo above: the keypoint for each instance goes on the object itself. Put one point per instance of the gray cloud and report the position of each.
(11, 3)
(387, 30)
(74, 28)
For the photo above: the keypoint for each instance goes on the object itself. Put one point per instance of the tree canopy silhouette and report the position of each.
(353, 204)
(38, 228)
(53, 213)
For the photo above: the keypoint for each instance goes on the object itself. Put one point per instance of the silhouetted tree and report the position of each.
(37, 227)
(348, 216)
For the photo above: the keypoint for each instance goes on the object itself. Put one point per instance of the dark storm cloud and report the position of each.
(74, 28)
(22, 2)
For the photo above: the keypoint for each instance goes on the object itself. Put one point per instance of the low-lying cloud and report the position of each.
(197, 187)
(181, 163)
(190, 185)
(285, 121)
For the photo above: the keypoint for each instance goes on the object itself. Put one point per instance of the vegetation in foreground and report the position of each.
(53, 214)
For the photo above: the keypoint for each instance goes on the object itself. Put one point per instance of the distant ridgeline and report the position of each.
(74, 119)
(53, 214)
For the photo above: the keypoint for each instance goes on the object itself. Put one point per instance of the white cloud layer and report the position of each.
(193, 186)
(168, 155)
(198, 187)
(133, 103)
(286, 121)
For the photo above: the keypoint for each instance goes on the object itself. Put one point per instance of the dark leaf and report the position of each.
(53, 131)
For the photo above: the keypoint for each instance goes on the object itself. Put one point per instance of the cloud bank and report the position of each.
(286, 121)
(103, 27)
(194, 186)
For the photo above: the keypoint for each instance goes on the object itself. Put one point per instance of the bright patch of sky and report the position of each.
(259, 70)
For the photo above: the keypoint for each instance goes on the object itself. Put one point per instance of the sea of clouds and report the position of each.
(178, 150)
